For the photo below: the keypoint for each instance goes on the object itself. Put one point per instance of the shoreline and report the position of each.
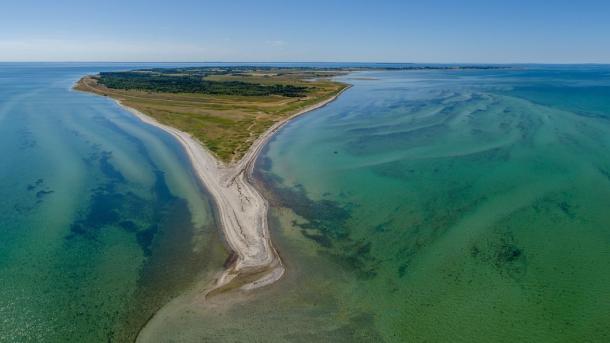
(240, 207)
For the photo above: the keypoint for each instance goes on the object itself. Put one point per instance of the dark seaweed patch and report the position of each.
(556, 206)
(383, 227)
(504, 254)
(402, 270)
(430, 220)
(326, 225)
(508, 253)
(78, 229)
(40, 194)
(511, 259)
(323, 240)
(161, 189)
(128, 226)
(566, 208)
(475, 251)
(145, 238)
(32, 186)
(105, 208)
(325, 216)
(110, 207)
(108, 169)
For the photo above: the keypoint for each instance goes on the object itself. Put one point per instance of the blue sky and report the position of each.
(465, 31)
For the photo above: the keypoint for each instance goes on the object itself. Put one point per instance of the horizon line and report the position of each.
(312, 62)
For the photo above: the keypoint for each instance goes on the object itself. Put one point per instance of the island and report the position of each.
(223, 116)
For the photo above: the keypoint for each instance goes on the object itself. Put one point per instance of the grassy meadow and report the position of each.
(224, 115)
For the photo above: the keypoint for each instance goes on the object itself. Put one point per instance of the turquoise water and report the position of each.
(434, 206)
(101, 219)
(464, 205)
(421, 206)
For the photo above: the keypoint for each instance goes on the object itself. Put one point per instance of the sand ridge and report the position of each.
(242, 210)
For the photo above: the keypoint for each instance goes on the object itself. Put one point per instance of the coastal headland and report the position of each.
(223, 118)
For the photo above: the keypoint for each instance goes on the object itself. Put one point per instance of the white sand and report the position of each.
(241, 208)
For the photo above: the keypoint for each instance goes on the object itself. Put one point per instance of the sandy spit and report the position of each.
(241, 209)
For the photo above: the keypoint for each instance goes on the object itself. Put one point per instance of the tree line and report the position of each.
(162, 82)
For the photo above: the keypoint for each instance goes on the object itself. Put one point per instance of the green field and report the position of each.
(225, 108)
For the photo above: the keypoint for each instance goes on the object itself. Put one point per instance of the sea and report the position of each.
(461, 205)
(102, 220)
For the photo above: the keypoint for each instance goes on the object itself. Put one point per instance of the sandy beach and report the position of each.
(241, 209)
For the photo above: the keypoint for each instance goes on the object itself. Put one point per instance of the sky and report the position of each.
(432, 31)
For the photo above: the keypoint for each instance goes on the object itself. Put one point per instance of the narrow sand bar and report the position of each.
(242, 210)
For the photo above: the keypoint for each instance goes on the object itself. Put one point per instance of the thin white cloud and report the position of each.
(276, 43)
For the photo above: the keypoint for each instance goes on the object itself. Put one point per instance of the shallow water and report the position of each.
(420, 206)
(465, 205)
(434, 206)
(101, 218)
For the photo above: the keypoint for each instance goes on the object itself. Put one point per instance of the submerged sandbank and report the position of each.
(241, 209)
